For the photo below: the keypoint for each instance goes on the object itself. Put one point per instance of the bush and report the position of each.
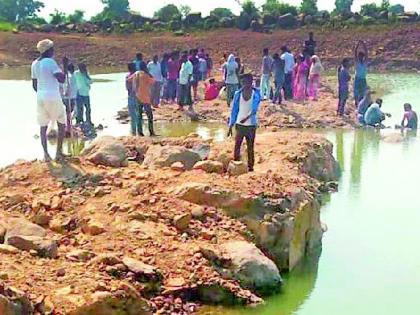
(276, 8)
(250, 10)
(221, 13)
(58, 17)
(6, 26)
(244, 21)
(168, 13)
(368, 20)
(192, 19)
(227, 22)
(308, 7)
(370, 9)
(175, 25)
(269, 19)
(396, 9)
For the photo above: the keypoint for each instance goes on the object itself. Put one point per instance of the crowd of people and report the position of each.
(174, 78)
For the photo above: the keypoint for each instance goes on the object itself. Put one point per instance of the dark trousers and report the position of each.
(287, 87)
(247, 132)
(172, 89)
(184, 97)
(149, 113)
(83, 103)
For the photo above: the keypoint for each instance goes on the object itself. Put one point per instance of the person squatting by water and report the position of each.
(374, 116)
(409, 120)
(46, 78)
(243, 117)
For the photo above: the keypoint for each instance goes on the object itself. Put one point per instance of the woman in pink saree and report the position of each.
(301, 78)
(315, 77)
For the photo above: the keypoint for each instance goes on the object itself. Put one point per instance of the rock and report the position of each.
(178, 166)
(287, 21)
(56, 203)
(197, 213)
(182, 221)
(209, 166)
(107, 259)
(13, 199)
(107, 151)
(2, 231)
(251, 268)
(47, 28)
(24, 228)
(42, 218)
(142, 271)
(93, 228)
(8, 249)
(80, 255)
(43, 247)
(237, 168)
(62, 225)
(165, 156)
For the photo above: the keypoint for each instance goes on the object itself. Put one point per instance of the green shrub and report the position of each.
(244, 21)
(227, 22)
(7, 26)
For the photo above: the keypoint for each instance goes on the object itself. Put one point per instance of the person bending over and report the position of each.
(243, 117)
(374, 115)
(46, 79)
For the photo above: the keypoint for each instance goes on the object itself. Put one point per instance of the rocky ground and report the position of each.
(159, 226)
(391, 46)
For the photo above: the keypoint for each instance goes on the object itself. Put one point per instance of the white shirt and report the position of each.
(231, 75)
(289, 62)
(245, 108)
(43, 71)
(185, 72)
(69, 87)
(155, 70)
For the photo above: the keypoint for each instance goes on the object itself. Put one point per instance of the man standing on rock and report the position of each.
(245, 107)
(46, 79)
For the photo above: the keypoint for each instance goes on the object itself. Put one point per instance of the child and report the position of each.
(212, 90)
(343, 86)
(133, 105)
(410, 116)
(83, 82)
(69, 95)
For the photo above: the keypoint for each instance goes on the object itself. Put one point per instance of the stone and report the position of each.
(197, 213)
(107, 259)
(93, 228)
(182, 221)
(165, 156)
(287, 21)
(237, 168)
(209, 166)
(56, 203)
(23, 227)
(42, 218)
(61, 225)
(251, 267)
(43, 247)
(80, 255)
(178, 166)
(141, 270)
(107, 151)
(13, 199)
(8, 249)
(2, 232)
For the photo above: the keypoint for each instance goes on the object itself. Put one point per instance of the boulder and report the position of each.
(23, 227)
(250, 267)
(165, 156)
(46, 28)
(182, 221)
(143, 272)
(44, 247)
(227, 22)
(287, 21)
(178, 166)
(269, 19)
(209, 166)
(237, 168)
(8, 249)
(93, 227)
(80, 255)
(107, 151)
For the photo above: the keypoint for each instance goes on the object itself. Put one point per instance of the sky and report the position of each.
(147, 7)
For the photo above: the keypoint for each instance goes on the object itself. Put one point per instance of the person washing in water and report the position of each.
(374, 115)
(409, 120)
(46, 78)
(243, 117)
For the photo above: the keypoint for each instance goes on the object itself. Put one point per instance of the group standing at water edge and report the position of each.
(175, 78)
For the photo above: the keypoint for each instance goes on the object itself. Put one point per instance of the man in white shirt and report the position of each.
(289, 64)
(46, 79)
(155, 69)
(185, 75)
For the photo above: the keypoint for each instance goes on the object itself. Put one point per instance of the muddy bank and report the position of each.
(310, 114)
(161, 225)
(392, 47)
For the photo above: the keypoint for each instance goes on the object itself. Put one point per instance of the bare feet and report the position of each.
(47, 158)
(59, 157)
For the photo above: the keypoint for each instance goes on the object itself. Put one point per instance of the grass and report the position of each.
(7, 26)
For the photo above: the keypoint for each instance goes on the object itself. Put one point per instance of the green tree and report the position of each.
(19, 10)
(221, 13)
(249, 8)
(76, 17)
(57, 17)
(116, 8)
(343, 6)
(385, 5)
(309, 7)
(185, 10)
(277, 8)
(369, 9)
(168, 13)
(396, 9)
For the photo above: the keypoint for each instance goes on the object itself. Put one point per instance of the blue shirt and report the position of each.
(361, 70)
(235, 108)
(373, 115)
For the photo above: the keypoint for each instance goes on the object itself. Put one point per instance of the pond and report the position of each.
(369, 264)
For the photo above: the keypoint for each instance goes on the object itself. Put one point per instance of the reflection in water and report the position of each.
(339, 147)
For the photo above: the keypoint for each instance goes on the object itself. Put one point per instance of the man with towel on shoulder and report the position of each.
(46, 79)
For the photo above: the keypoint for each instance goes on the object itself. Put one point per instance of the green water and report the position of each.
(370, 263)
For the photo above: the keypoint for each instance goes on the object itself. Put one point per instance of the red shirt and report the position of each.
(173, 69)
